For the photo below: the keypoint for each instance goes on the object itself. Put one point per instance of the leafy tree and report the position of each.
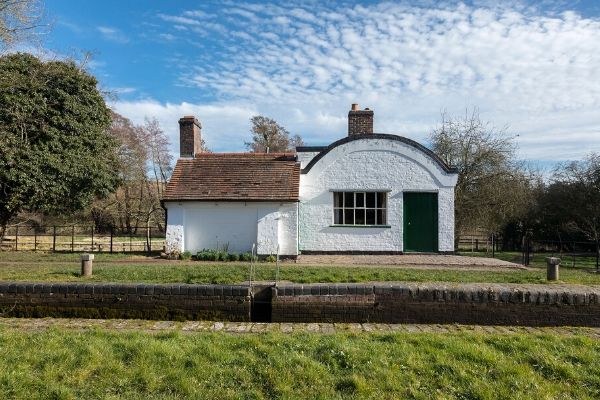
(492, 188)
(55, 153)
(18, 18)
(270, 137)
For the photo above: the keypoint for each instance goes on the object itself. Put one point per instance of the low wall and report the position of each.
(485, 304)
(145, 301)
(492, 304)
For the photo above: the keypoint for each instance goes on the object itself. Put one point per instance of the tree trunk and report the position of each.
(148, 232)
(2, 233)
(4, 220)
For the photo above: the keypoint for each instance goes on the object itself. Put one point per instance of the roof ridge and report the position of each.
(247, 154)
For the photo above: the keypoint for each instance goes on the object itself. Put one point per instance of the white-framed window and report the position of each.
(360, 208)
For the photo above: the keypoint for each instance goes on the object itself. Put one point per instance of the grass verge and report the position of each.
(236, 273)
(135, 365)
(57, 267)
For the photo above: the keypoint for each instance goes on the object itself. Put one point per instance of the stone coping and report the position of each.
(454, 292)
(7, 287)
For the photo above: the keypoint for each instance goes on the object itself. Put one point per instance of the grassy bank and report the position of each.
(197, 272)
(103, 364)
(126, 268)
(538, 260)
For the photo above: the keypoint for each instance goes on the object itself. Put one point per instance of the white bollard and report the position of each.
(86, 264)
(552, 264)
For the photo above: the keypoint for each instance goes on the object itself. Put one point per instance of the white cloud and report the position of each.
(167, 37)
(538, 72)
(113, 34)
(179, 20)
(124, 90)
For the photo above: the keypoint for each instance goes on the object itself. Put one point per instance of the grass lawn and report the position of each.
(538, 259)
(28, 266)
(63, 364)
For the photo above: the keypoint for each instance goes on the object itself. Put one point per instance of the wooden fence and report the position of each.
(78, 238)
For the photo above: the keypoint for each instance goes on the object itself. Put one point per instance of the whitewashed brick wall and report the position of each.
(193, 226)
(373, 164)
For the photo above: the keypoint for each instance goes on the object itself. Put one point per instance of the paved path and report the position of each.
(42, 324)
(408, 260)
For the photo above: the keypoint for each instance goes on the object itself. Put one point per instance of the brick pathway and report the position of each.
(408, 260)
(42, 324)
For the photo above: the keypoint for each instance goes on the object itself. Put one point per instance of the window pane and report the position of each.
(381, 199)
(371, 200)
(370, 217)
(349, 217)
(338, 199)
(348, 199)
(381, 220)
(360, 200)
(359, 218)
(338, 216)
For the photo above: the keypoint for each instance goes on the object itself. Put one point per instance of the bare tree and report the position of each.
(270, 137)
(18, 20)
(492, 188)
(295, 141)
(144, 165)
(160, 158)
(576, 196)
(160, 165)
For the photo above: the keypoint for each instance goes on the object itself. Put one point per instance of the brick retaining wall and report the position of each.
(104, 300)
(484, 304)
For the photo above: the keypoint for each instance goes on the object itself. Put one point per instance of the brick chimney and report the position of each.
(190, 136)
(360, 122)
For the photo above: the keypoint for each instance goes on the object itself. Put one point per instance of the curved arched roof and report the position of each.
(324, 150)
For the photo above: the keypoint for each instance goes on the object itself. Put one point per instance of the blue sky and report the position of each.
(534, 67)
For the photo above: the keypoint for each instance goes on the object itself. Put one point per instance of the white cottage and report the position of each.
(366, 193)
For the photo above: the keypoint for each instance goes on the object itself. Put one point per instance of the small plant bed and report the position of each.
(60, 363)
(221, 255)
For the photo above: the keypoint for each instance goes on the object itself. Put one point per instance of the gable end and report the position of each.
(412, 143)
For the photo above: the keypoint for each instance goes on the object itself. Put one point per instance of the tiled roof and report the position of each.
(235, 176)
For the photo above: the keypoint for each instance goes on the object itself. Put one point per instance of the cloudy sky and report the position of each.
(534, 67)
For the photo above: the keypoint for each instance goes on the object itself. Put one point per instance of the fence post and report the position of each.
(17, 238)
(34, 239)
(92, 238)
(149, 240)
(493, 247)
(72, 238)
(54, 238)
(111, 239)
(526, 254)
(597, 255)
(477, 245)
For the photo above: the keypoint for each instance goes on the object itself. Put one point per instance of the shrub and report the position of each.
(186, 255)
(223, 256)
(204, 255)
(215, 255)
(234, 257)
(271, 258)
(246, 256)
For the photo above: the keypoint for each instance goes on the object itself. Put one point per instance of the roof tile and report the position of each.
(234, 177)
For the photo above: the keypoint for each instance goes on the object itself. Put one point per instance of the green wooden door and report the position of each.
(420, 222)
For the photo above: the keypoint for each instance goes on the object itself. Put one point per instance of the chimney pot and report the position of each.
(355, 107)
(190, 136)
